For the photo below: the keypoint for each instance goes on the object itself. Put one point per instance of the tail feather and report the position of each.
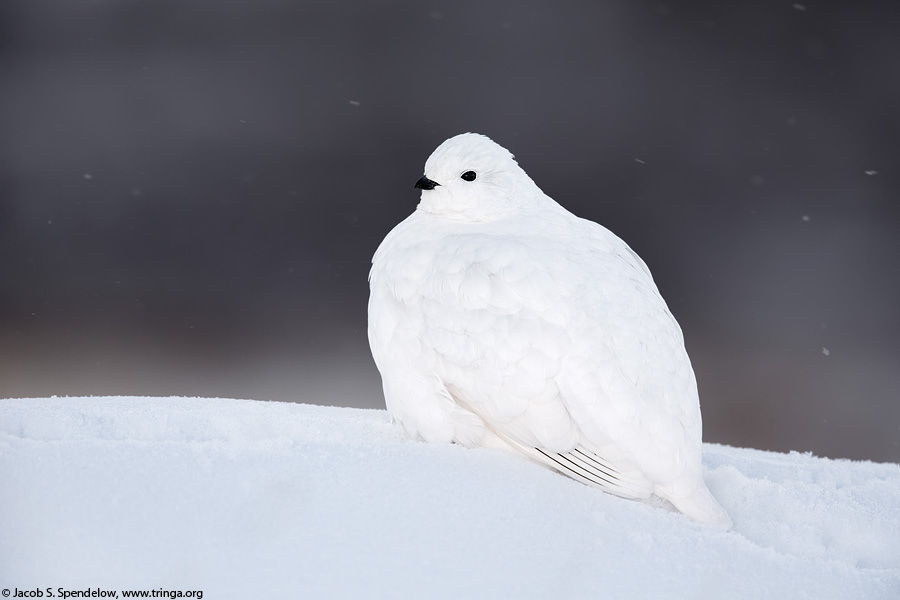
(699, 505)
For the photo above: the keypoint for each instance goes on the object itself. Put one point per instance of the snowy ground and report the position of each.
(247, 499)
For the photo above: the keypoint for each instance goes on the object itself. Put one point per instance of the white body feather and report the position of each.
(498, 318)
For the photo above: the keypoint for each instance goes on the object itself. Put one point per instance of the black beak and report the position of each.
(425, 184)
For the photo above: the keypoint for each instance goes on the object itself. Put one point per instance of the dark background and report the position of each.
(191, 190)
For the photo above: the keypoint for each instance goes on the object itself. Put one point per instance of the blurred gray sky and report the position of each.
(191, 190)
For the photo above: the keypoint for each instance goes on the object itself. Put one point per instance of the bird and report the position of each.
(499, 319)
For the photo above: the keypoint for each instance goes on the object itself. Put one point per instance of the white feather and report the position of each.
(496, 317)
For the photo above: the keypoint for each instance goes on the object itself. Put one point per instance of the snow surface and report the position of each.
(246, 499)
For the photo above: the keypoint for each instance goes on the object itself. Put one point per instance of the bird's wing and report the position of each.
(564, 348)
(588, 467)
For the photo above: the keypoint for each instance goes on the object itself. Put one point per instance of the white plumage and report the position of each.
(498, 318)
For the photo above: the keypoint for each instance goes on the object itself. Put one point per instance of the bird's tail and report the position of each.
(699, 505)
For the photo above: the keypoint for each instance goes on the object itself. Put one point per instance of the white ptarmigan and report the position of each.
(498, 318)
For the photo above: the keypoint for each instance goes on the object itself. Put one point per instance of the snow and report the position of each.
(241, 498)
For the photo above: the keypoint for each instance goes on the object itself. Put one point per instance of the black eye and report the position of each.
(468, 176)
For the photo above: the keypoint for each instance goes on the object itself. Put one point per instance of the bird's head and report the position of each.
(469, 177)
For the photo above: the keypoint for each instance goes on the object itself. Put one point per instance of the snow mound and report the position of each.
(241, 498)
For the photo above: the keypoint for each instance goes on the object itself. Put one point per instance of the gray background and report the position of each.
(191, 190)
